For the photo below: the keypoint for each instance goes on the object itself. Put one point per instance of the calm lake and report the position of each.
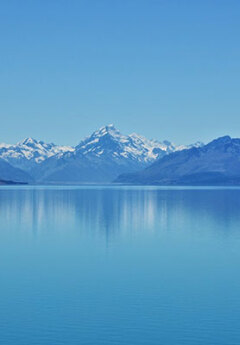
(119, 265)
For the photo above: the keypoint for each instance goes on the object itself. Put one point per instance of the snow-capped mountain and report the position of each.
(108, 141)
(217, 163)
(102, 156)
(30, 152)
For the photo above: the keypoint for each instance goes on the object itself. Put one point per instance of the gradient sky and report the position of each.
(162, 68)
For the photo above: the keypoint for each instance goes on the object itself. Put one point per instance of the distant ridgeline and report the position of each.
(107, 156)
(4, 182)
(217, 163)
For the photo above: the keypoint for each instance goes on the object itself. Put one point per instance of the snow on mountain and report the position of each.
(108, 141)
(30, 152)
(102, 156)
(187, 147)
(217, 163)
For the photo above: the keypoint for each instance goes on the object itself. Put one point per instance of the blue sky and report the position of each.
(162, 68)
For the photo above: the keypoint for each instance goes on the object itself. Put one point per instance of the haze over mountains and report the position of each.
(101, 157)
(107, 156)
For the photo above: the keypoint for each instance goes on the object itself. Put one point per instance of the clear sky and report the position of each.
(167, 69)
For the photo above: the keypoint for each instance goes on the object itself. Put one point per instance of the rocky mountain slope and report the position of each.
(10, 173)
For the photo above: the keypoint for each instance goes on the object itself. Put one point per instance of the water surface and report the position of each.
(119, 265)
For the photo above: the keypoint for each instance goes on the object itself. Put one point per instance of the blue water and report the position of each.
(119, 265)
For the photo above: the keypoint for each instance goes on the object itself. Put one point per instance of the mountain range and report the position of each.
(107, 155)
(217, 163)
(101, 157)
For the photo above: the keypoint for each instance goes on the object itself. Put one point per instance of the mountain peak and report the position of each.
(225, 138)
(28, 141)
(220, 141)
(109, 129)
